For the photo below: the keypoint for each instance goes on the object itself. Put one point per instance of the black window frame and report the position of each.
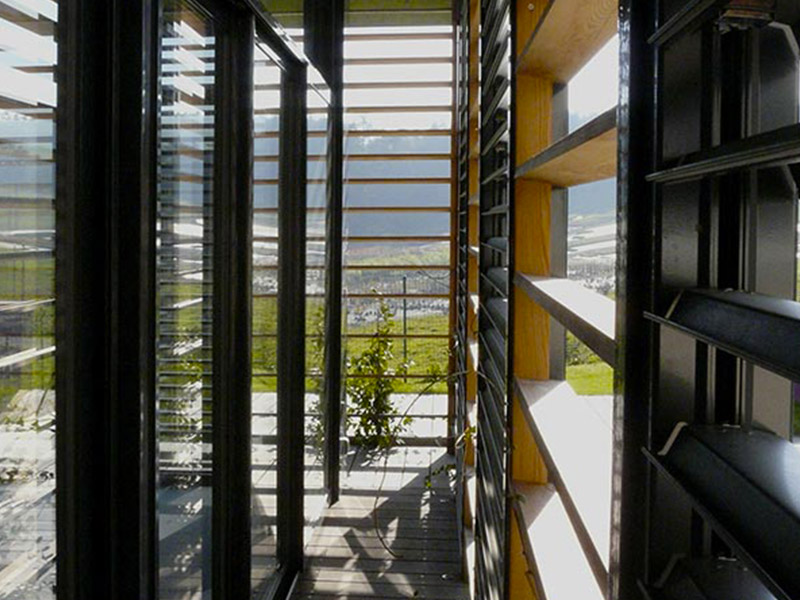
(108, 93)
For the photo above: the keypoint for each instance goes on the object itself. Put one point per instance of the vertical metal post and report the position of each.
(405, 322)
(635, 214)
(333, 314)
(232, 259)
(291, 318)
(104, 240)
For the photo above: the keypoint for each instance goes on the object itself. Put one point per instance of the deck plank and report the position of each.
(416, 554)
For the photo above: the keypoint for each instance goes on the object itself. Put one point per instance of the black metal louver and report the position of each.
(495, 258)
(462, 260)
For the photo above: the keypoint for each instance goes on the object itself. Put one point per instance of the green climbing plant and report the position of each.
(370, 385)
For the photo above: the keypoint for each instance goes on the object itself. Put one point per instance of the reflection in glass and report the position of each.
(265, 323)
(27, 305)
(184, 301)
(316, 249)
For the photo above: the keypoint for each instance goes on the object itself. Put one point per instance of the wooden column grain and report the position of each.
(532, 227)
(531, 335)
(521, 581)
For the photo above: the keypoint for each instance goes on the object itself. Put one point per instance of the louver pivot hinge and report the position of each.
(747, 14)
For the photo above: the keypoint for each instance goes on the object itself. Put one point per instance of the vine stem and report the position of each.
(393, 438)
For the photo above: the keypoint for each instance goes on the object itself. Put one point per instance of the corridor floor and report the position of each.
(417, 522)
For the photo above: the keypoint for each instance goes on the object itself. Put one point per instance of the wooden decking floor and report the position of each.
(345, 557)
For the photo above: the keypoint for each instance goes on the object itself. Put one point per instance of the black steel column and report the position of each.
(635, 213)
(333, 268)
(104, 300)
(291, 318)
(135, 63)
(233, 209)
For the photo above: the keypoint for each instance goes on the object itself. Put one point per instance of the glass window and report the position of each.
(184, 300)
(265, 326)
(27, 299)
(316, 250)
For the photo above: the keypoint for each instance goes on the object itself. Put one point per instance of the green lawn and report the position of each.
(424, 354)
(593, 379)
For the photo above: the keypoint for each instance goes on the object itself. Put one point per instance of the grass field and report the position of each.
(593, 379)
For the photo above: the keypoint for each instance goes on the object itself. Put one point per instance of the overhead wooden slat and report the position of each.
(356, 267)
(571, 32)
(358, 180)
(587, 314)
(385, 85)
(364, 209)
(435, 108)
(558, 418)
(366, 238)
(356, 157)
(424, 60)
(396, 132)
(588, 154)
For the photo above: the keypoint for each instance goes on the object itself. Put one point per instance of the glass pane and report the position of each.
(265, 330)
(398, 223)
(402, 194)
(27, 305)
(315, 400)
(184, 297)
(396, 144)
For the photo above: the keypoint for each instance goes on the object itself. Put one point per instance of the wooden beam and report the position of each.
(586, 155)
(532, 215)
(576, 438)
(551, 548)
(571, 32)
(587, 314)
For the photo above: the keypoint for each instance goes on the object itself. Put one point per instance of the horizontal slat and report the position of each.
(568, 35)
(498, 278)
(587, 314)
(715, 465)
(402, 60)
(359, 209)
(687, 19)
(390, 133)
(761, 329)
(707, 579)
(550, 544)
(773, 148)
(382, 85)
(496, 244)
(586, 155)
(395, 156)
(575, 436)
(365, 238)
(497, 309)
(19, 358)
